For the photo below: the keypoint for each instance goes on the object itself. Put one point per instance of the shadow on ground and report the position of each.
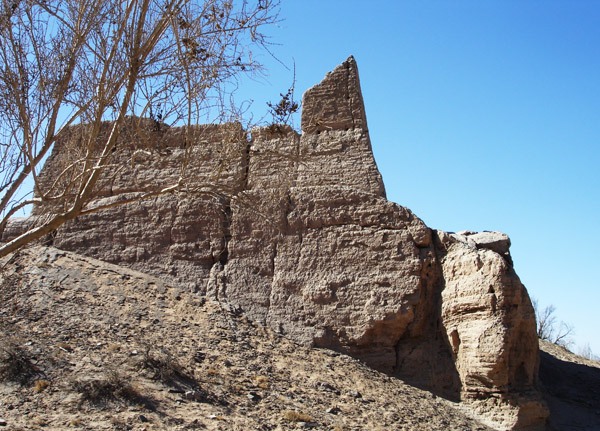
(572, 392)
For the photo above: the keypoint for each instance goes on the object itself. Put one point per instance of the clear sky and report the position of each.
(482, 116)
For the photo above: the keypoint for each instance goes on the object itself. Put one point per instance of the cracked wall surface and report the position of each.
(295, 232)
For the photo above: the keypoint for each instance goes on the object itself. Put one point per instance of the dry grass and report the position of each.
(294, 416)
(262, 382)
(40, 385)
(39, 421)
(114, 348)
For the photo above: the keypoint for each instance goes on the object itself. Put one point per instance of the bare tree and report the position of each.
(586, 352)
(105, 65)
(548, 327)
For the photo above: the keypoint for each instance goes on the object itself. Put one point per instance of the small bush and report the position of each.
(112, 387)
(163, 366)
(95, 391)
(16, 363)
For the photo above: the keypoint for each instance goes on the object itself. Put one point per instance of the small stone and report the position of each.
(253, 396)
(3, 423)
(194, 396)
(355, 394)
(333, 410)
(143, 418)
(324, 386)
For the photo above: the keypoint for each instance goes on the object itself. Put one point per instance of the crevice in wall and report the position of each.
(224, 255)
(298, 141)
(348, 95)
(246, 161)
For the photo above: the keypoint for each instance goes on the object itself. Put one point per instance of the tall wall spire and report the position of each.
(336, 103)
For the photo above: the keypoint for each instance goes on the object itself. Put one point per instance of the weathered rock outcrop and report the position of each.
(489, 321)
(295, 231)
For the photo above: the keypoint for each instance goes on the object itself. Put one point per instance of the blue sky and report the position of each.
(482, 116)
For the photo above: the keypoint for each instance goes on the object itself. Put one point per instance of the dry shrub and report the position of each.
(294, 416)
(262, 382)
(40, 385)
(112, 387)
(163, 366)
(16, 362)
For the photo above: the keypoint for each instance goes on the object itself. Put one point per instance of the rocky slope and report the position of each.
(102, 347)
(89, 345)
(294, 231)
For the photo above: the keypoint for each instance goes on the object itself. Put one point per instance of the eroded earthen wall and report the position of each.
(295, 231)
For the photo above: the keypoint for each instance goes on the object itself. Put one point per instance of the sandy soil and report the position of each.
(89, 345)
(106, 348)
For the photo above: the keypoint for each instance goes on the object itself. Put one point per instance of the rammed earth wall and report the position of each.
(295, 231)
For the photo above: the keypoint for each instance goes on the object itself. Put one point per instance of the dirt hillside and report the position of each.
(571, 387)
(89, 345)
